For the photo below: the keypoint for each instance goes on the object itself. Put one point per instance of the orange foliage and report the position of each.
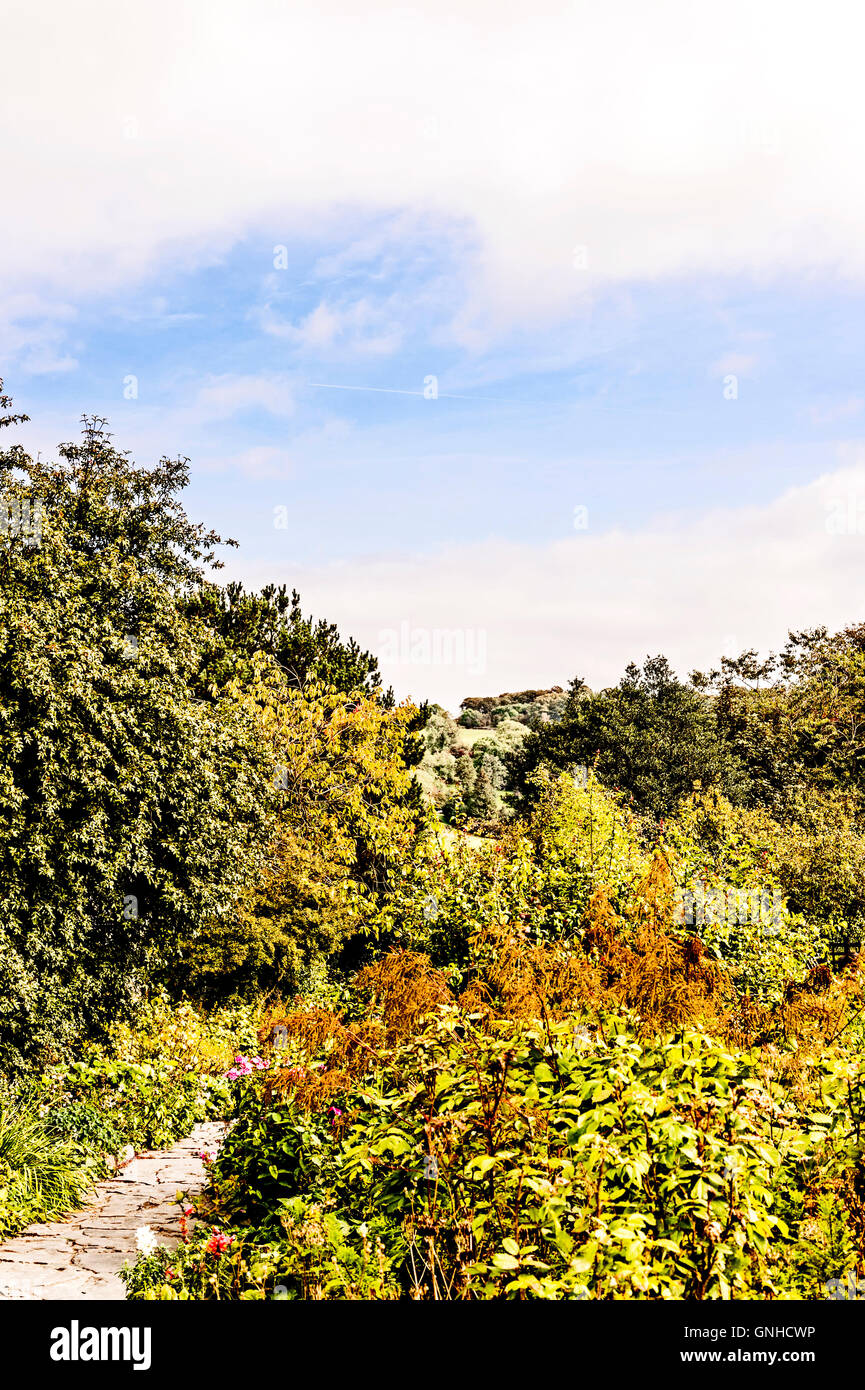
(638, 962)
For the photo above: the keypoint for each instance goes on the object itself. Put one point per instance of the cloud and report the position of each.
(667, 140)
(263, 461)
(358, 329)
(224, 396)
(829, 412)
(739, 363)
(33, 329)
(41, 359)
(309, 451)
(493, 616)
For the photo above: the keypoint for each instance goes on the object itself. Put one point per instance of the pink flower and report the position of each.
(218, 1243)
(244, 1065)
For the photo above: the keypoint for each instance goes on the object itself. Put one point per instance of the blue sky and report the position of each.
(284, 392)
(665, 330)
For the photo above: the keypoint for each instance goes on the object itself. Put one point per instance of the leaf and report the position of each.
(503, 1261)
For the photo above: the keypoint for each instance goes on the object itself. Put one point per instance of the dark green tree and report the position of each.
(310, 651)
(796, 720)
(134, 808)
(651, 735)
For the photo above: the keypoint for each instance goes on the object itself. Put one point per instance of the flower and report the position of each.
(169, 1273)
(219, 1242)
(244, 1065)
(145, 1240)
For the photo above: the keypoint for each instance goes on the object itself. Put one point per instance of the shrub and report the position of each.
(510, 1162)
(150, 1105)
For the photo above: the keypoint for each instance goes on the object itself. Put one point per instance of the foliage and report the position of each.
(184, 1035)
(449, 889)
(347, 815)
(821, 855)
(585, 838)
(434, 1152)
(651, 735)
(132, 810)
(309, 652)
(150, 1105)
(561, 1000)
(41, 1173)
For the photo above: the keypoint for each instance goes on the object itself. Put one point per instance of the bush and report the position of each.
(151, 1106)
(471, 1161)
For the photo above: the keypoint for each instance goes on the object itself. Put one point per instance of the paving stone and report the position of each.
(79, 1258)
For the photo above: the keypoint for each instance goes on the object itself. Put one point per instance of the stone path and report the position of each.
(79, 1257)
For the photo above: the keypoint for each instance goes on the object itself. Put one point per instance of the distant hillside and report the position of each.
(527, 707)
(463, 770)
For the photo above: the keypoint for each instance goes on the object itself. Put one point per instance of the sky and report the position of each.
(524, 341)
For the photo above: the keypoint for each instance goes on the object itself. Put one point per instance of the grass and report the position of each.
(40, 1175)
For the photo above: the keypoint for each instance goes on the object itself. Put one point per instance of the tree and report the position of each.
(307, 650)
(349, 813)
(651, 735)
(482, 801)
(804, 727)
(134, 808)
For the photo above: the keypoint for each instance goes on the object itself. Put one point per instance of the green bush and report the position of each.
(150, 1105)
(570, 1162)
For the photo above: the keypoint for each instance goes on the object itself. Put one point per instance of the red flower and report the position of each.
(218, 1242)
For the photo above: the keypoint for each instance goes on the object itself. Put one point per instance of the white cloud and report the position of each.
(829, 412)
(357, 329)
(729, 579)
(669, 139)
(262, 461)
(224, 396)
(739, 363)
(32, 330)
(44, 359)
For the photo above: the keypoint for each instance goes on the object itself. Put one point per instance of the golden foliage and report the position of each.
(514, 979)
(638, 962)
(406, 988)
(403, 990)
(350, 1050)
(814, 1011)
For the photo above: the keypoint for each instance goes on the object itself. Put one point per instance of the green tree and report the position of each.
(349, 813)
(133, 807)
(795, 720)
(309, 651)
(651, 735)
